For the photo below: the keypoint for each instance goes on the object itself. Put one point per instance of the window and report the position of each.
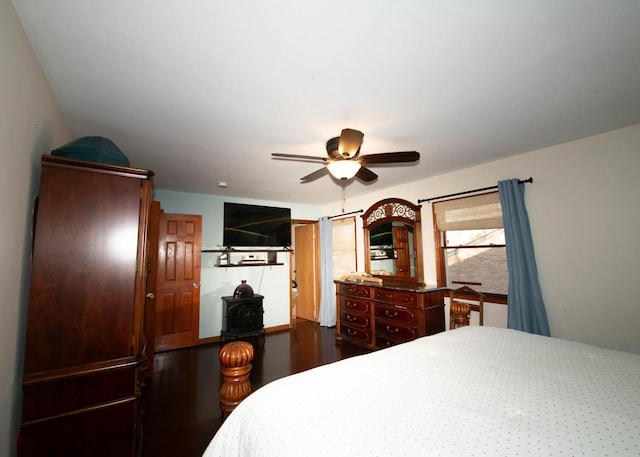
(470, 243)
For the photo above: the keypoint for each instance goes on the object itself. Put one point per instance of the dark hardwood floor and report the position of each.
(182, 402)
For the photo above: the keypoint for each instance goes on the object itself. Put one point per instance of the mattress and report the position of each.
(473, 391)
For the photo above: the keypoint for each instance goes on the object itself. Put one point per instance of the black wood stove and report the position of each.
(242, 317)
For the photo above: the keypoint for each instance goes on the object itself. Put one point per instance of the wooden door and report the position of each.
(401, 246)
(306, 271)
(178, 285)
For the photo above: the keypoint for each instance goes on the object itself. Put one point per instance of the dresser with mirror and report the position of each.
(391, 304)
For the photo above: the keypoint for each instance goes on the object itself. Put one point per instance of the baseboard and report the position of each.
(216, 339)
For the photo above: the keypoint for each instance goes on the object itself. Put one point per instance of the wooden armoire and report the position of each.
(85, 344)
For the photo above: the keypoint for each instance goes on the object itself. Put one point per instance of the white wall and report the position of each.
(585, 221)
(271, 281)
(30, 124)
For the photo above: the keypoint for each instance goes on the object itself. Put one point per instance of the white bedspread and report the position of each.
(475, 391)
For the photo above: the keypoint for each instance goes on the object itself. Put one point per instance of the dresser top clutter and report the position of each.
(391, 285)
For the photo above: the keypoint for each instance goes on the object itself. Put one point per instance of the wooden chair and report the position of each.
(462, 302)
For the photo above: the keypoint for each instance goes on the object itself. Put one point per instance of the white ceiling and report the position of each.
(202, 91)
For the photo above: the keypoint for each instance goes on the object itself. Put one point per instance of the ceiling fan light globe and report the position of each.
(344, 169)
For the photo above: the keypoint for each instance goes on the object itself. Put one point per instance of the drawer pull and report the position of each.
(351, 332)
(351, 318)
(393, 314)
(392, 330)
(351, 305)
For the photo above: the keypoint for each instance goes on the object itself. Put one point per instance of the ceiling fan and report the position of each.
(344, 160)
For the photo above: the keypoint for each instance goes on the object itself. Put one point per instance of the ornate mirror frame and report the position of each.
(399, 214)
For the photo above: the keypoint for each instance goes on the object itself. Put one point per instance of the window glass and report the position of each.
(472, 253)
(477, 258)
(475, 237)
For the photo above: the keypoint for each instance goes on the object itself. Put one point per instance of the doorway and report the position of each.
(305, 270)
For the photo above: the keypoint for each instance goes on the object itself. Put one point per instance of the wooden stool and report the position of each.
(235, 358)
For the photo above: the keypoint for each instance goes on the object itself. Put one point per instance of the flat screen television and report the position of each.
(256, 226)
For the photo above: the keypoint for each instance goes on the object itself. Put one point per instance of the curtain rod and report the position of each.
(522, 181)
(346, 214)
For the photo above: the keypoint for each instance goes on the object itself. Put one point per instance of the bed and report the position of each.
(473, 391)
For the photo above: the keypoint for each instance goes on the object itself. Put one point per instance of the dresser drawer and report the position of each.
(397, 315)
(382, 341)
(356, 333)
(353, 290)
(352, 304)
(358, 320)
(397, 297)
(401, 332)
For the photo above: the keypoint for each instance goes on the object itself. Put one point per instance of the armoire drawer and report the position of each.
(79, 390)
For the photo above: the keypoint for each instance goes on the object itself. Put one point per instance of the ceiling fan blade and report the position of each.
(390, 157)
(350, 142)
(315, 175)
(332, 148)
(277, 155)
(366, 175)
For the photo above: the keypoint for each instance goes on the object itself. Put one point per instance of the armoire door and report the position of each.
(178, 285)
(84, 269)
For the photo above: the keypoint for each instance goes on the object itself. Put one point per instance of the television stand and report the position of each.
(234, 257)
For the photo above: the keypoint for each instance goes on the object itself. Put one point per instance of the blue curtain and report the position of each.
(327, 287)
(526, 308)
